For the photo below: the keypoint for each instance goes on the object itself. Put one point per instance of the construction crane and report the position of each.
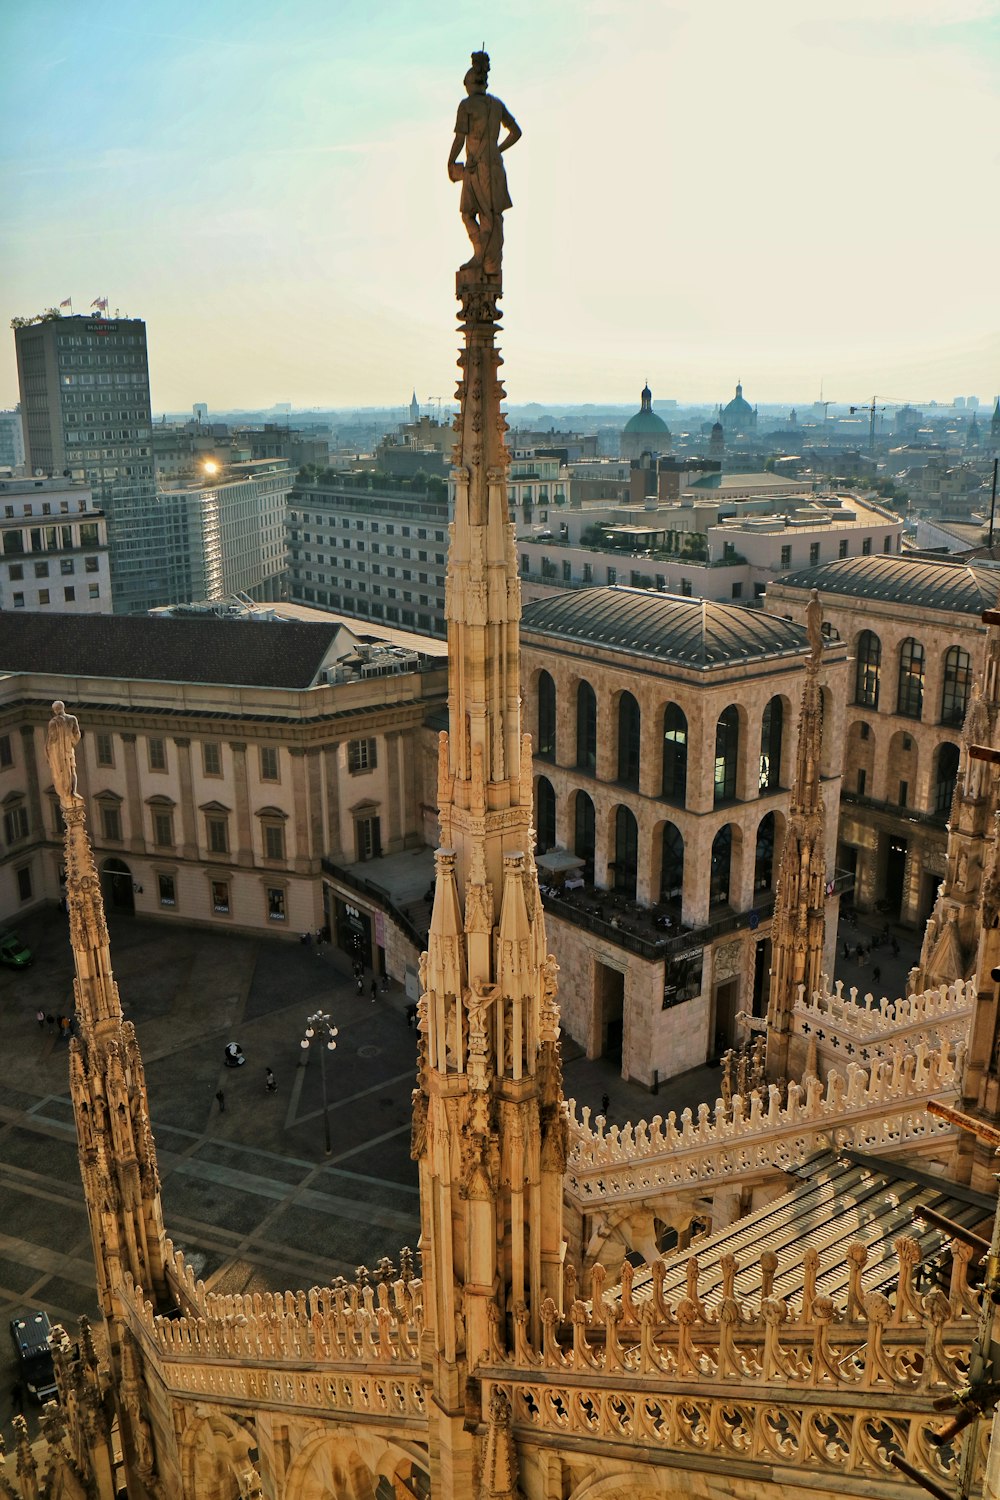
(872, 407)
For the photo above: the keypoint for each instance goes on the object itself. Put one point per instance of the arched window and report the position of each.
(957, 682)
(771, 726)
(722, 857)
(545, 816)
(675, 754)
(763, 865)
(910, 697)
(628, 740)
(586, 727)
(584, 834)
(546, 747)
(867, 671)
(727, 749)
(947, 775)
(626, 852)
(671, 864)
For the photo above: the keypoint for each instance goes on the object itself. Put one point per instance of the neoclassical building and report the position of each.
(913, 630)
(235, 772)
(665, 736)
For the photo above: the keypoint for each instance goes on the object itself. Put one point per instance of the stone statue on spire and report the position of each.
(61, 739)
(484, 181)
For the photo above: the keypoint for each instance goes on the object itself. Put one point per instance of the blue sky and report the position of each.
(785, 192)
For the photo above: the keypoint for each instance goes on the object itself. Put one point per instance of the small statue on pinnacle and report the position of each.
(61, 739)
(482, 175)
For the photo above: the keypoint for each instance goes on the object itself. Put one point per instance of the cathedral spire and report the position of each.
(108, 1086)
(798, 927)
(489, 1133)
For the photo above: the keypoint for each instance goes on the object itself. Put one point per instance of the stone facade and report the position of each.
(220, 807)
(899, 773)
(622, 978)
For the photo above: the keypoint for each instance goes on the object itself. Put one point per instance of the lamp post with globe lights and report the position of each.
(320, 1028)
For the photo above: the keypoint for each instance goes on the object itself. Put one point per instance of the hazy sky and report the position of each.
(781, 191)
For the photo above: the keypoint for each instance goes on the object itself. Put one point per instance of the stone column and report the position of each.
(650, 747)
(877, 787)
(300, 861)
(393, 842)
(331, 778)
(607, 737)
(701, 757)
(189, 831)
(314, 778)
(37, 825)
(133, 797)
(244, 830)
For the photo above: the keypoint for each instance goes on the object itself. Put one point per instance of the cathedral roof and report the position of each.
(245, 653)
(688, 632)
(960, 587)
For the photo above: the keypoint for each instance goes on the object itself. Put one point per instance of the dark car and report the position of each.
(14, 953)
(30, 1334)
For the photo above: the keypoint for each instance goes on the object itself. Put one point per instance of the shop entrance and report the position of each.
(895, 874)
(354, 932)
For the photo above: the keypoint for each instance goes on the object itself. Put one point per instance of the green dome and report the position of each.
(645, 419)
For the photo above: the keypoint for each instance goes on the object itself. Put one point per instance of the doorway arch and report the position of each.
(117, 885)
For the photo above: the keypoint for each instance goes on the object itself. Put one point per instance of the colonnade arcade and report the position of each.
(666, 800)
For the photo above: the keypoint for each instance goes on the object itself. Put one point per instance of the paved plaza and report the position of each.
(249, 1193)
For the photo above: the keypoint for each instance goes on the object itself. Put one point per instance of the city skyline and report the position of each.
(773, 197)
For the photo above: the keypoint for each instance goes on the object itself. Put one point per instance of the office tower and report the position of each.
(85, 403)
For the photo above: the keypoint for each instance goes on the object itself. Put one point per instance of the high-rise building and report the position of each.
(225, 528)
(11, 440)
(84, 385)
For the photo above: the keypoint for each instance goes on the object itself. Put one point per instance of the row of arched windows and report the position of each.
(955, 688)
(673, 781)
(624, 867)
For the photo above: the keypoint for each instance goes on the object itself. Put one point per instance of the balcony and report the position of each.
(656, 932)
(897, 812)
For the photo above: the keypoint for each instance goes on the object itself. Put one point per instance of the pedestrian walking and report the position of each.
(876, 973)
(64, 1028)
(40, 1018)
(50, 1022)
(847, 949)
(374, 990)
(385, 984)
(411, 1015)
(605, 1104)
(361, 985)
(221, 1101)
(270, 1082)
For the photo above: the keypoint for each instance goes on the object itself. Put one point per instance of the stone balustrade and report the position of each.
(869, 1109)
(865, 1028)
(782, 1384)
(352, 1348)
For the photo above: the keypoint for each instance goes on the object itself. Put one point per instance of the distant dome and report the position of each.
(738, 415)
(645, 419)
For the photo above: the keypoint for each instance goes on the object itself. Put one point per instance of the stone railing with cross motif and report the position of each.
(783, 1387)
(860, 1028)
(870, 1109)
(351, 1349)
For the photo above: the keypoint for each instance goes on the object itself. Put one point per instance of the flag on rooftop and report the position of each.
(67, 303)
(101, 302)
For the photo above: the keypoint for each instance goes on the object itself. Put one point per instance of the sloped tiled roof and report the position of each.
(240, 653)
(666, 627)
(842, 1198)
(959, 587)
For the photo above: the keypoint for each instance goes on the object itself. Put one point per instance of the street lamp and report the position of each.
(319, 1027)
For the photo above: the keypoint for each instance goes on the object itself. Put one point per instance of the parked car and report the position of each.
(14, 953)
(30, 1334)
